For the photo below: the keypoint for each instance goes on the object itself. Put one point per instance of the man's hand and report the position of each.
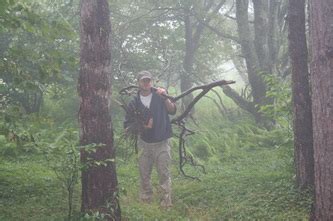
(126, 131)
(171, 107)
(161, 91)
(149, 125)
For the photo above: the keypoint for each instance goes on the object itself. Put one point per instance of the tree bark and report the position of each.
(261, 33)
(249, 51)
(99, 179)
(273, 38)
(303, 139)
(190, 48)
(31, 101)
(321, 67)
(193, 33)
(260, 49)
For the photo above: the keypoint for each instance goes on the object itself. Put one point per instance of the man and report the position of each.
(153, 142)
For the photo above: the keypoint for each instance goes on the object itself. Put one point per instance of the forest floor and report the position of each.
(254, 184)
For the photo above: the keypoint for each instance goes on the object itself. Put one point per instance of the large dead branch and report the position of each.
(184, 158)
(240, 101)
(205, 88)
(133, 89)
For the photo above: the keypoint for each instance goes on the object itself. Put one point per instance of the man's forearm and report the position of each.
(170, 106)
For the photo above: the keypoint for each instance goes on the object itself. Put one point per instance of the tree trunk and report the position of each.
(249, 52)
(193, 33)
(321, 37)
(261, 33)
(303, 142)
(273, 26)
(31, 100)
(186, 79)
(260, 49)
(99, 179)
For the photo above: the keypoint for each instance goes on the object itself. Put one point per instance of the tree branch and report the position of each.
(205, 89)
(240, 101)
(130, 89)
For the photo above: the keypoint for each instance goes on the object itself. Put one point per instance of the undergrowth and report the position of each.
(250, 174)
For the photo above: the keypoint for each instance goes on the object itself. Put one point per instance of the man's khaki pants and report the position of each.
(158, 154)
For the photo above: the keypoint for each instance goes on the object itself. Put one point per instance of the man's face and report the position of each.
(145, 84)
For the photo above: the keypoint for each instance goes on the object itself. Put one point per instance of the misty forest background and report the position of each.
(244, 132)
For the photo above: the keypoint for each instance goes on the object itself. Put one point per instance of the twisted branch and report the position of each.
(184, 158)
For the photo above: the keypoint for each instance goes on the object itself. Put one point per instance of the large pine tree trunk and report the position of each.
(321, 37)
(303, 142)
(99, 180)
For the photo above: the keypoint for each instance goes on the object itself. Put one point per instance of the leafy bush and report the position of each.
(279, 92)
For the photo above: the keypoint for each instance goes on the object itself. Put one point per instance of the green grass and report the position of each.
(255, 187)
(258, 185)
(30, 191)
